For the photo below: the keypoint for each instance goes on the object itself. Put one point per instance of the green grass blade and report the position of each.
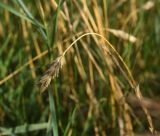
(25, 9)
(49, 128)
(13, 11)
(70, 122)
(23, 128)
(55, 22)
(29, 14)
(53, 114)
(29, 18)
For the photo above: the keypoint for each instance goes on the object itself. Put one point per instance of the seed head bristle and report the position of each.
(51, 73)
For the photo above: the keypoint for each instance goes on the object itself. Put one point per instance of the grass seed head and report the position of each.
(51, 73)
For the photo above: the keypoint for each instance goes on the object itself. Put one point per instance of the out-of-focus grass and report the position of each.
(90, 96)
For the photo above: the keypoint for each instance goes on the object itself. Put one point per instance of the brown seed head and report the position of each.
(50, 74)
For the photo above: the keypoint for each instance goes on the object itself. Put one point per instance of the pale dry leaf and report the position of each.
(148, 5)
(123, 35)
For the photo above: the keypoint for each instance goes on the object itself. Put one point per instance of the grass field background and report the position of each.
(107, 80)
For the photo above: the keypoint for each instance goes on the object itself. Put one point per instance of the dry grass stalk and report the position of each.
(140, 97)
(94, 27)
(121, 125)
(53, 71)
(54, 68)
(133, 9)
(25, 27)
(153, 106)
(55, 6)
(11, 75)
(1, 30)
(147, 6)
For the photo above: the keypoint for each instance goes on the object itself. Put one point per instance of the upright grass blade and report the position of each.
(53, 121)
(52, 35)
(70, 122)
(55, 21)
